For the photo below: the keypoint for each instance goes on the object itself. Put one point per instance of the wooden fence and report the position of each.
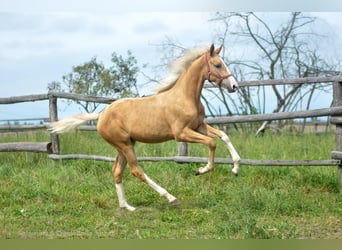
(53, 147)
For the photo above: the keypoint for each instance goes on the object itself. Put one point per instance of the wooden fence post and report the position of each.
(53, 117)
(337, 101)
(182, 149)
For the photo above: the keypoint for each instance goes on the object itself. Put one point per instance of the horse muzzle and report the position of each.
(233, 88)
(231, 84)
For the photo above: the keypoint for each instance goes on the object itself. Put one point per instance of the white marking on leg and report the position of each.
(122, 199)
(232, 151)
(205, 169)
(161, 191)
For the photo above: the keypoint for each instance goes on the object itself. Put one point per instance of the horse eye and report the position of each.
(219, 65)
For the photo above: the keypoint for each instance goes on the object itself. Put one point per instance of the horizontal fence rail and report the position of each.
(42, 97)
(333, 111)
(37, 147)
(25, 98)
(306, 80)
(16, 128)
(190, 159)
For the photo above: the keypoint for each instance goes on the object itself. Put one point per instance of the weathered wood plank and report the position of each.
(37, 147)
(337, 101)
(336, 155)
(187, 159)
(15, 128)
(182, 149)
(53, 113)
(41, 97)
(335, 120)
(305, 80)
(276, 116)
(25, 98)
(80, 97)
(81, 156)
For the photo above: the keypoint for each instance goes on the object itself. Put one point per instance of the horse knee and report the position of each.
(212, 144)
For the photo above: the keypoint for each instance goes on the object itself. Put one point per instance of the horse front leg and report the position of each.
(210, 165)
(235, 156)
(224, 137)
(189, 135)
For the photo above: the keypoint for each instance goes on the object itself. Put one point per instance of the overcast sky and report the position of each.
(41, 42)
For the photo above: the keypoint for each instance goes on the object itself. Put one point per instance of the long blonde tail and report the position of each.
(71, 122)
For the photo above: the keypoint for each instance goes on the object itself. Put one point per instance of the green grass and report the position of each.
(41, 198)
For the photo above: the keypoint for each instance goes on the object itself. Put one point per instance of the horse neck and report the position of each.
(190, 83)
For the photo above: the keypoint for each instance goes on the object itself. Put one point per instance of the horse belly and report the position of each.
(151, 131)
(142, 119)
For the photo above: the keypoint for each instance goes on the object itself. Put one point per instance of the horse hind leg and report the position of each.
(117, 171)
(162, 192)
(137, 171)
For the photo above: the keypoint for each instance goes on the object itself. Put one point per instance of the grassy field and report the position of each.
(41, 198)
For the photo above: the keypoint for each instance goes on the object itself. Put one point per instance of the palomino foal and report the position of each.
(174, 113)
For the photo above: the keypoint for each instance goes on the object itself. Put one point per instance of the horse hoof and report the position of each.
(129, 208)
(235, 174)
(200, 171)
(175, 202)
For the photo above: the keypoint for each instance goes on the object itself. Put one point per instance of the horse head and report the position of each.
(218, 72)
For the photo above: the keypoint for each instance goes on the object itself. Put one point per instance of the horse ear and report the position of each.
(212, 49)
(217, 51)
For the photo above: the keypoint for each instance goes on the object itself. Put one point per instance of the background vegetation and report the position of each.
(93, 78)
(41, 198)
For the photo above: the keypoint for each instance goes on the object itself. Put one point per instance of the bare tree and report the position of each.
(284, 51)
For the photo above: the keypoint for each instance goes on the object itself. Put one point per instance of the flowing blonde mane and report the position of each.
(177, 67)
